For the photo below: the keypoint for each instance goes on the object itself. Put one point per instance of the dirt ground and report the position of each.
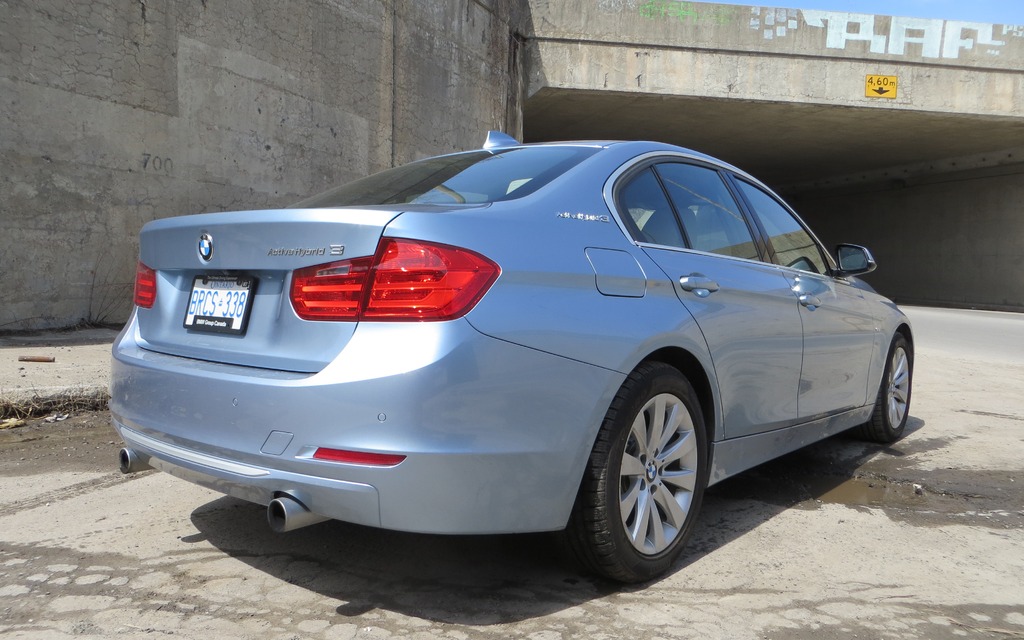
(920, 539)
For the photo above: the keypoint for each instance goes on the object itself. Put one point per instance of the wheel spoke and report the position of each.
(639, 431)
(657, 527)
(899, 395)
(657, 424)
(682, 448)
(895, 413)
(638, 532)
(900, 380)
(628, 500)
(675, 419)
(631, 466)
(685, 479)
(676, 515)
(899, 365)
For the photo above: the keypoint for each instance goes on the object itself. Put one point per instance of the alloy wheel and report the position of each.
(658, 474)
(899, 387)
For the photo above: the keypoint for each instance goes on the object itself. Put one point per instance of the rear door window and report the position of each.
(647, 212)
(708, 212)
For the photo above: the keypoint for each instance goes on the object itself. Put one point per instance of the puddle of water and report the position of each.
(991, 499)
(858, 492)
(855, 492)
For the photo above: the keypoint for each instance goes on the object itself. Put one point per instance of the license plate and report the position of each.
(220, 304)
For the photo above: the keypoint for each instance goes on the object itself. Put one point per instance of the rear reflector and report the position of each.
(145, 286)
(406, 280)
(358, 457)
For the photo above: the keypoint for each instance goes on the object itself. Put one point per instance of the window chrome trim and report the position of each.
(712, 254)
(608, 192)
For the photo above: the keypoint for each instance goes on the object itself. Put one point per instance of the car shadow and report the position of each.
(466, 580)
(486, 580)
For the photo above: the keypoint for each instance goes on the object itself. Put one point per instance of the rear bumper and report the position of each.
(496, 435)
(350, 501)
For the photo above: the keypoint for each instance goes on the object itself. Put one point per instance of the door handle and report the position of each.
(812, 302)
(699, 284)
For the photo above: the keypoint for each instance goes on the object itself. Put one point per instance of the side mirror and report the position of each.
(854, 260)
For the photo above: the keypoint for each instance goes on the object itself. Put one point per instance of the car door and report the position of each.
(840, 330)
(684, 217)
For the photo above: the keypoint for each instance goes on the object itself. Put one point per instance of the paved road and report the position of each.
(990, 335)
(834, 541)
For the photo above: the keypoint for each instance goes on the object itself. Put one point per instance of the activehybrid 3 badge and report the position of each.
(206, 247)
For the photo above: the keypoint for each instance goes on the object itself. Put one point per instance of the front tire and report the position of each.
(645, 480)
(892, 406)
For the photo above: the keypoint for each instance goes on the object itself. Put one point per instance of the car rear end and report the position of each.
(313, 360)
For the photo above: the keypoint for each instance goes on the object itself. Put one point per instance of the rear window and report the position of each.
(474, 177)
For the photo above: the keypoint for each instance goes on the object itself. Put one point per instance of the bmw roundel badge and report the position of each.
(206, 247)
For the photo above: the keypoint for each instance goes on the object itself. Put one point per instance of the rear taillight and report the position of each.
(331, 291)
(405, 280)
(424, 281)
(145, 286)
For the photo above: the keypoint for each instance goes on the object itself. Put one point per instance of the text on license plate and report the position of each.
(219, 303)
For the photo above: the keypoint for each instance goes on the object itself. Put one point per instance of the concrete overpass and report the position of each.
(904, 134)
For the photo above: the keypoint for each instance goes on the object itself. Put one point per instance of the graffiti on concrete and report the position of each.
(925, 37)
(936, 38)
(615, 6)
(700, 13)
(930, 38)
(774, 22)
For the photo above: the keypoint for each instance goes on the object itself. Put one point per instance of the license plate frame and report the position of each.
(220, 304)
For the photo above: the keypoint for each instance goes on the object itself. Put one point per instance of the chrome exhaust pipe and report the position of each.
(285, 513)
(129, 462)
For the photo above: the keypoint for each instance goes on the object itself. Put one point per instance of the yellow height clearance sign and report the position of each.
(881, 86)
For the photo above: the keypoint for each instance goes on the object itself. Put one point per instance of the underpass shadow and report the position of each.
(486, 580)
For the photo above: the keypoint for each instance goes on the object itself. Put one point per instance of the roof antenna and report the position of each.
(497, 139)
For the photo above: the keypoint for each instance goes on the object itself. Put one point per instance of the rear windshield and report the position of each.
(474, 177)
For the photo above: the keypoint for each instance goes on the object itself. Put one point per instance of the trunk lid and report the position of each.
(253, 256)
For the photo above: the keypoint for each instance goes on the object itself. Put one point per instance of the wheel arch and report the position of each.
(905, 331)
(688, 365)
(597, 534)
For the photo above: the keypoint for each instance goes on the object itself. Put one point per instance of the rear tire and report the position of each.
(892, 406)
(644, 483)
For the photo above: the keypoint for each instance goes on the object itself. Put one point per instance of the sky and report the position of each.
(992, 11)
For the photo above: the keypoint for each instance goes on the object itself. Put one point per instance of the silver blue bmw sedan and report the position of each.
(575, 337)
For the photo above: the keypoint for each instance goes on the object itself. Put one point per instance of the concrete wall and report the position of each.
(951, 239)
(117, 112)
